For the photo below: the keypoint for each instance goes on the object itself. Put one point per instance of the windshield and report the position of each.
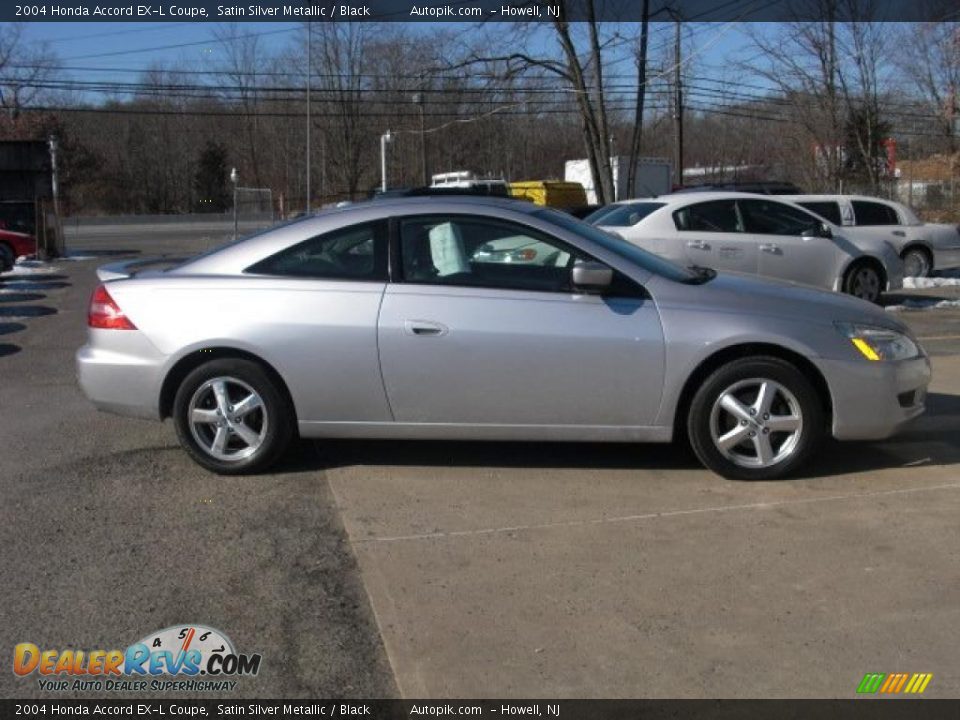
(629, 214)
(648, 261)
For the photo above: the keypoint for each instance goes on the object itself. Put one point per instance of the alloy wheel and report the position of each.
(756, 423)
(227, 418)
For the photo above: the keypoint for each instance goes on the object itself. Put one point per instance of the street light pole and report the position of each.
(384, 139)
(418, 98)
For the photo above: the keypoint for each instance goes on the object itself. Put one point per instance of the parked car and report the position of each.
(924, 247)
(758, 234)
(14, 245)
(367, 321)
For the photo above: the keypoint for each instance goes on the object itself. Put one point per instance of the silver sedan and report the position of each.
(393, 319)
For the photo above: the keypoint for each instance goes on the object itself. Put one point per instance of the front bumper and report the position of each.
(873, 400)
(124, 378)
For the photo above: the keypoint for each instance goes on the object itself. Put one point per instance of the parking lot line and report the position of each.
(655, 515)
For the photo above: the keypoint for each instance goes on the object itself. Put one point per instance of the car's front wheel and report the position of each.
(231, 417)
(755, 419)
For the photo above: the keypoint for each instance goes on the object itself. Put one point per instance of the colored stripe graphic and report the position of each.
(894, 683)
(871, 682)
(918, 683)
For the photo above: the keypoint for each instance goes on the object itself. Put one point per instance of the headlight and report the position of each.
(879, 343)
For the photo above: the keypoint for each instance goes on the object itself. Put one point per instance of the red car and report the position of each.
(13, 245)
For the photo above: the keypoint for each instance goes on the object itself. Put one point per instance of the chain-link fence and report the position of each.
(254, 209)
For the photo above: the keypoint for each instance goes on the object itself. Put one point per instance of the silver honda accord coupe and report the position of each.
(488, 319)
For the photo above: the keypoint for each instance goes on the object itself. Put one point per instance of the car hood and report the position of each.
(772, 298)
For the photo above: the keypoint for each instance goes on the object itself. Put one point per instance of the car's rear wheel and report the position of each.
(231, 417)
(916, 262)
(864, 281)
(7, 258)
(755, 419)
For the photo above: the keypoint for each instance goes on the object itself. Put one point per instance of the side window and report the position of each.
(874, 213)
(715, 216)
(768, 217)
(358, 252)
(483, 252)
(825, 209)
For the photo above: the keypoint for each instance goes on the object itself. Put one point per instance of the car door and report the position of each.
(712, 235)
(790, 243)
(481, 327)
(313, 307)
(879, 221)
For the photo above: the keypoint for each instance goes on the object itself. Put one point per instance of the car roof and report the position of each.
(699, 197)
(836, 196)
(431, 201)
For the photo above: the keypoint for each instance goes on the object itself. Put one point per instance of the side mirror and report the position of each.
(821, 230)
(591, 276)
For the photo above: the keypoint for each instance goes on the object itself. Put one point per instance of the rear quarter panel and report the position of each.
(320, 336)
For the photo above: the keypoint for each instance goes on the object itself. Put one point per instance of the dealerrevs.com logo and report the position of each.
(177, 658)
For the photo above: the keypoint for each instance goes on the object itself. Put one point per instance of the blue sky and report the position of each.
(128, 46)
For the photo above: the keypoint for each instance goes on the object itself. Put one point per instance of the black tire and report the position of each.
(917, 262)
(274, 411)
(7, 258)
(700, 419)
(864, 280)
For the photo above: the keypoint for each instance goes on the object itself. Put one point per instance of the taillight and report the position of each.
(105, 313)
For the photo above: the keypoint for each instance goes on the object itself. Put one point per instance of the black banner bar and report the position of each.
(468, 11)
(540, 709)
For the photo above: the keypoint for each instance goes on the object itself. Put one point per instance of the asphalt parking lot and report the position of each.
(373, 569)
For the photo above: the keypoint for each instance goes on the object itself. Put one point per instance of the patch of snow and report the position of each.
(27, 267)
(917, 283)
(923, 304)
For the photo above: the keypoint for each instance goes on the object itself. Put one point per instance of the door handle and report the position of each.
(899, 233)
(770, 248)
(424, 328)
(698, 245)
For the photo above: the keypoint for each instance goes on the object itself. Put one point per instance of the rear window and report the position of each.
(825, 209)
(628, 215)
(873, 213)
(714, 216)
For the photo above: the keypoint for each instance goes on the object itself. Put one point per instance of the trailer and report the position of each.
(653, 176)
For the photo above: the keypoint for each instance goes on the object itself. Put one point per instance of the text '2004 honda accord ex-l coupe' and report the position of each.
(488, 319)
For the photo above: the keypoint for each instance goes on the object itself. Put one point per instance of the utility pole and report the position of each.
(636, 138)
(678, 98)
(309, 73)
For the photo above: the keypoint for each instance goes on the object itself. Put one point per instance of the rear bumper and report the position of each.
(873, 400)
(124, 379)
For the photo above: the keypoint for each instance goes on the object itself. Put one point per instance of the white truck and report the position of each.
(653, 176)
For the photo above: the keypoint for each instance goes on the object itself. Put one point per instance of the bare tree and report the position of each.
(578, 64)
(929, 55)
(25, 67)
(243, 61)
